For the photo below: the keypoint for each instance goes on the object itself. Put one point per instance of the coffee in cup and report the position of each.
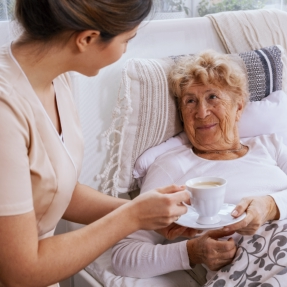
(207, 196)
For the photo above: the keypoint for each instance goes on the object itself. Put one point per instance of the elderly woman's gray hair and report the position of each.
(209, 68)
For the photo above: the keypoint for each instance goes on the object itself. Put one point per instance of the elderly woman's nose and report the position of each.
(202, 110)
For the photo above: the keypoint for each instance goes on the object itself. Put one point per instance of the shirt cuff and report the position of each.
(280, 199)
(184, 255)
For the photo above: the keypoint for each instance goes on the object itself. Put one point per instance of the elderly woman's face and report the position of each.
(210, 115)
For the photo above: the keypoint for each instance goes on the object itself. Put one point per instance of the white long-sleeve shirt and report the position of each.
(260, 172)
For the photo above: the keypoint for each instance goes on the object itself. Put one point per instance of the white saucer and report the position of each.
(189, 219)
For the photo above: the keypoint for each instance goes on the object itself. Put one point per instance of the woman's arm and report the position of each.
(88, 205)
(143, 255)
(260, 209)
(25, 261)
(280, 198)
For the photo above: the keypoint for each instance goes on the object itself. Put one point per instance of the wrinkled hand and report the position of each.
(159, 208)
(174, 230)
(258, 209)
(206, 249)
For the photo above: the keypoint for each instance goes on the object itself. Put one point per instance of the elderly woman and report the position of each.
(212, 92)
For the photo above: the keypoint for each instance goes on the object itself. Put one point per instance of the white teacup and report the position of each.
(207, 196)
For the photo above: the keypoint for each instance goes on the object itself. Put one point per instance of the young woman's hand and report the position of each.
(159, 208)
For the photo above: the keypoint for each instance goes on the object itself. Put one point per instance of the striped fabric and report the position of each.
(264, 68)
(146, 115)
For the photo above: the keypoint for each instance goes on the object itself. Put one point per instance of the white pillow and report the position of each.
(149, 156)
(267, 116)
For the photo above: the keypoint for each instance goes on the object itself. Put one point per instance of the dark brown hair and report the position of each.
(44, 20)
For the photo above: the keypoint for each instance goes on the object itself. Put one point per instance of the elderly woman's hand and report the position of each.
(208, 250)
(174, 230)
(258, 209)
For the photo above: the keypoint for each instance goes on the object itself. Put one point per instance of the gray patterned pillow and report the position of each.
(264, 69)
(146, 114)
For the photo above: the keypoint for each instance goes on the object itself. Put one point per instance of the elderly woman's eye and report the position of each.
(189, 101)
(213, 96)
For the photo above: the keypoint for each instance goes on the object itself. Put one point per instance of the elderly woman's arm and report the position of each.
(143, 255)
(262, 208)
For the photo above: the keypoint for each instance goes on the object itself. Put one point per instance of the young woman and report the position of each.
(41, 145)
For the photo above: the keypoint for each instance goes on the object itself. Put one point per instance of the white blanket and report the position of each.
(241, 31)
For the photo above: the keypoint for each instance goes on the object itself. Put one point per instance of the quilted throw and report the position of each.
(261, 259)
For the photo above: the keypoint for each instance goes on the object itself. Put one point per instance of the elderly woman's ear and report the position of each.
(240, 107)
(178, 103)
(180, 115)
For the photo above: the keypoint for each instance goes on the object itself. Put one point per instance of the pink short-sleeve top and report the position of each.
(38, 170)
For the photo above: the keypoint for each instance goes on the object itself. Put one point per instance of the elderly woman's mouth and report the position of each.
(206, 127)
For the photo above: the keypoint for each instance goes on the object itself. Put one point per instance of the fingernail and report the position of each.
(234, 212)
(225, 229)
(182, 186)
